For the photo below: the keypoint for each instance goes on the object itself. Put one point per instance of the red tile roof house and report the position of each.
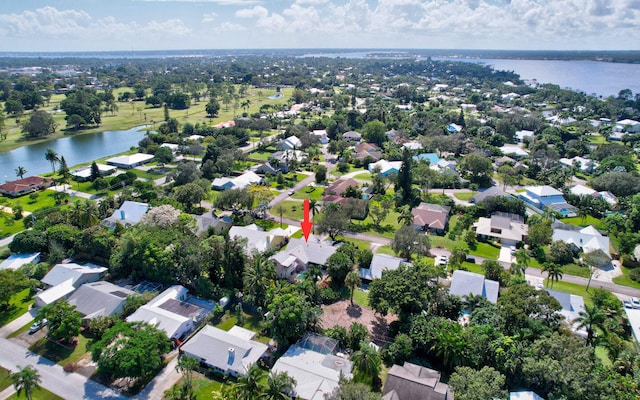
(338, 187)
(431, 218)
(25, 186)
(364, 150)
(333, 194)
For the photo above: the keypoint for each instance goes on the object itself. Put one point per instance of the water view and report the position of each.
(76, 150)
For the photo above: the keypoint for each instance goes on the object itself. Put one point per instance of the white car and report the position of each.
(635, 302)
(627, 304)
(442, 260)
(37, 325)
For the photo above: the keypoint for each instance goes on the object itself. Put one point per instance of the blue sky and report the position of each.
(96, 25)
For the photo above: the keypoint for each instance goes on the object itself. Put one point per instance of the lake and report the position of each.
(592, 77)
(76, 150)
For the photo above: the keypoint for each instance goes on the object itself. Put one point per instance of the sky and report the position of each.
(126, 25)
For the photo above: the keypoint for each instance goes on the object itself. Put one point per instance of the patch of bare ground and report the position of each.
(344, 314)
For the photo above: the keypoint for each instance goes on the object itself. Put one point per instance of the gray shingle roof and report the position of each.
(465, 282)
(99, 299)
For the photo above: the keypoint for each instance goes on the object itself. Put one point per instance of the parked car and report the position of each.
(36, 326)
(292, 192)
(635, 302)
(471, 260)
(627, 304)
(442, 260)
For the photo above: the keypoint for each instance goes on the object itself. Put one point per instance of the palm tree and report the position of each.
(245, 104)
(471, 301)
(522, 260)
(249, 386)
(405, 217)
(352, 280)
(257, 278)
(51, 156)
(186, 365)
(279, 385)
(313, 207)
(554, 272)
(20, 171)
(366, 363)
(589, 319)
(281, 209)
(26, 379)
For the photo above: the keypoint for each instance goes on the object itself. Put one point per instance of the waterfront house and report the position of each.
(130, 161)
(25, 186)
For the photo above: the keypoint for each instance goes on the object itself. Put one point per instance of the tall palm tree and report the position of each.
(26, 380)
(522, 260)
(592, 317)
(313, 207)
(279, 385)
(281, 209)
(472, 301)
(51, 156)
(554, 272)
(352, 280)
(20, 171)
(249, 386)
(257, 278)
(186, 365)
(366, 363)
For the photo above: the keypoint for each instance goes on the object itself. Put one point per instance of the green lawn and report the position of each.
(361, 298)
(386, 250)
(589, 220)
(292, 209)
(5, 381)
(252, 322)
(466, 196)
(38, 394)
(60, 354)
(484, 250)
(625, 280)
(8, 225)
(572, 288)
(574, 269)
(18, 305)
(290, 180)
(473, 267)
(260, 155)
(45, 200)
(365, 176)
(310, 193)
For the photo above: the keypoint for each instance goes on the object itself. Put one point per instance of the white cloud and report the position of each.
(221, 2)
(209, 17)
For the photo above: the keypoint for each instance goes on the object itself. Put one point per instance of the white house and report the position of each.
(322, 136)
(380, 263)
(98, 299)
(587, 239)
(63, 279)
(509, 229)
(168, 312)
(129, 161)
(386, 167)
(129, 213)
(230, 352)
(514, 150)
(258, 239)
(290, 143)
(299, 253)
(627, 125)
(238, 182)
(572, 305)
(16, 261)
(464, 283)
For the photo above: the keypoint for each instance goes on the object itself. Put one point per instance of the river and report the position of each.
(76, 150)
(592, 77)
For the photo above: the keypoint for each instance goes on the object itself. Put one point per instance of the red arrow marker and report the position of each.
(306, 224)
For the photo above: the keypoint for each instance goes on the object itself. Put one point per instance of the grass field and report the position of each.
(386, 250)
(361, 298)
(365, 176)
(466, 196)
(253, 322)
(589, 220)
(38, 394)
(5, 380)
(292, 209)
(309, 192)
(60, 354)
(18, 305)
(625, 280)
(131, 114)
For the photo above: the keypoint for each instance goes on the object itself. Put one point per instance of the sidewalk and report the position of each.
(18, 323)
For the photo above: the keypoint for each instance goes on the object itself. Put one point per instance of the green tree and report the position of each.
(405, 217)
(366, 364)
(338, 267)
(404, 180)
(257, 277)
(131, 350)
(408, 241)
(11, 282)
(212, 108)
(321, 173)
(352, 281)
(292, 314)
(279, 386)
(51, 156)
(522, 261)
(470, 384)
(374, 132)
(554, 272)
(334, 220)
(187, 365)
(189, 194)
(350, 390)
(20, 171)
(39, 124)
(492, 270)
(163, 155)
(64, 322)
(26, 379)
(590, 319)
(250, 386)
(540, 232)
(478, 167)
(95, 171)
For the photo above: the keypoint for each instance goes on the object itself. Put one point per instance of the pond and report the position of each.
(76, 150)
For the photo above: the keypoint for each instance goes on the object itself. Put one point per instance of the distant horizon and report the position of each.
(149, 25)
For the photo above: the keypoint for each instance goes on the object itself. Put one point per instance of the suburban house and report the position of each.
(129, 213)
(386, 167)
(84, 174)
(493, 191)
(230, 352)
(414, 382)
(63, 279)
(431, 218)
(238, 182)
(290, 143)
(380, 263)
(130, 161)
(352, 136)
(322, 136)
(169, 312)
(282, 159)
(627, 125)
(513, 150)
(392, 134)
(298, 254)
(25, 186)
(257, 238)
(312, 363)
(572, 305)
(547, 197)
(587, 239)
(16, 261)
(265, 168)
(464, 283)
(412, 145)
(509, 229)
(581, 190)
(583, 164)
(443, 165)
(175, 148)
(364, 150)
(99, 299)
(338, 187)
(521, 135)
(219, 225)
